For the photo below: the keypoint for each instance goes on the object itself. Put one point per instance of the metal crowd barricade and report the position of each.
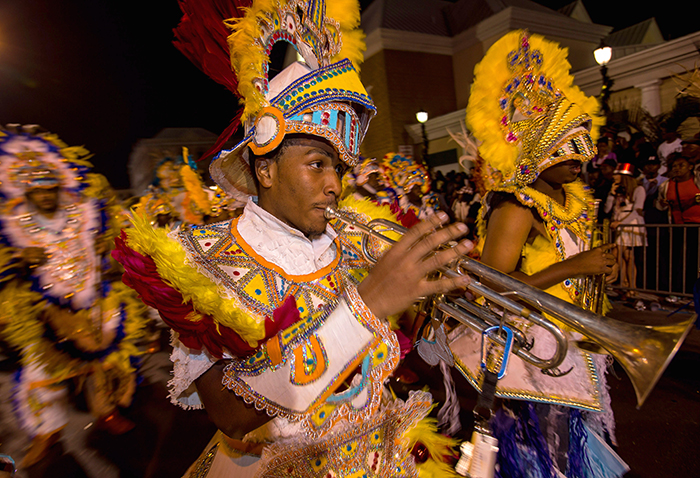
(669, 261)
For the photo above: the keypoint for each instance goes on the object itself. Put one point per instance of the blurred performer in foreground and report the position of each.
(280, 324)
(536, 130)
(59, 307)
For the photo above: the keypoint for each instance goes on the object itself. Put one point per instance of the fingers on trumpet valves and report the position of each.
(426, 228)
(439, 238)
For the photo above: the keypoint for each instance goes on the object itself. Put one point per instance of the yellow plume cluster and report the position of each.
(347, 14)
(438, 445)
(491, 75)
(195, 188)
(248, 59)
(21, 320)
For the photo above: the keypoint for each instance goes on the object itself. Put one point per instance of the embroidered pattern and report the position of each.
(377, 359)
(202, 467)
(261, 286)
(315, 353)
(374, 448)
(573, 216)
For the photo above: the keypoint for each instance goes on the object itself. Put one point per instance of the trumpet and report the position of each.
(643, 351)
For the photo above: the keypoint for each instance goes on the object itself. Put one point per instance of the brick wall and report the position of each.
(403, 83)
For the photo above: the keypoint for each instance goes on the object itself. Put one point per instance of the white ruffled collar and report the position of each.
(284, 245)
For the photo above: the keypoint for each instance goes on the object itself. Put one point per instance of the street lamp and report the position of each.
(422, 117)
(602, 56)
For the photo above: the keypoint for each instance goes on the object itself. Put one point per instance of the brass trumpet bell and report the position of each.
(643, 351)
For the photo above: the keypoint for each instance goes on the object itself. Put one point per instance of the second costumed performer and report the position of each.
(280, 327)
(536, 129)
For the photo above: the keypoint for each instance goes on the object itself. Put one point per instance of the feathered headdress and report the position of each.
(322, 96)
(404, 173)
(526, 111)
(32, 158)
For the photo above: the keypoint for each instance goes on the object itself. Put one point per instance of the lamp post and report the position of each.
(422, 117)
(602, 56)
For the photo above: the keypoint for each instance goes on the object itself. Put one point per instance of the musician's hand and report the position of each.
(399, 278)
(614, 224)
(612, 277)
(599, 260)
(33, 256)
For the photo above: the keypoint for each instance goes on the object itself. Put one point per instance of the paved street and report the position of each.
(657, 441)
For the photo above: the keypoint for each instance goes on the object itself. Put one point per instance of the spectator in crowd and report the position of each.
(672, 144)
(651, 181)
(691, 151)
(602, 185)
(626, 201)
(604, 153)
(624, 153)
(460, 205)
(438, 182)
(681, 196)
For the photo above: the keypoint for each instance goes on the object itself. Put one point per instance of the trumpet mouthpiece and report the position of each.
(329, 213)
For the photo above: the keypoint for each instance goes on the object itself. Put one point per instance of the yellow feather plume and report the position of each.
(491, 75)
(347, 14)
(438, 446)
(195, 188)
(248, 58)
(21, 322)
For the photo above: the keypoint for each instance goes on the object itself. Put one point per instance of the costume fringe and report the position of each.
(579, 462)
(448, 415)
(523, 450)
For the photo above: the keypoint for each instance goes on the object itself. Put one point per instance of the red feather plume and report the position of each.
(201, 37)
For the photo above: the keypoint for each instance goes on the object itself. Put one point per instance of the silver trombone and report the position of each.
(643, 351)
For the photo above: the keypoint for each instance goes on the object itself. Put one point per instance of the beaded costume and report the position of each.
(66, 316)
(283, 309)
(528, 116)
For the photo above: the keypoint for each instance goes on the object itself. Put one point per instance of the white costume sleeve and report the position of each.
(188, 365)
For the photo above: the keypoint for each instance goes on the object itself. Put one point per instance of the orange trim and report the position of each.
(300, 375)
(275, 140)
(350, 368)
(274, 350)
(295, 278)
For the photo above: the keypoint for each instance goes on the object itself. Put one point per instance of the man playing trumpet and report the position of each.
(279, 323)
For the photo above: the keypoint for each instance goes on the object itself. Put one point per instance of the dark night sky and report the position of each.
(104, 74)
